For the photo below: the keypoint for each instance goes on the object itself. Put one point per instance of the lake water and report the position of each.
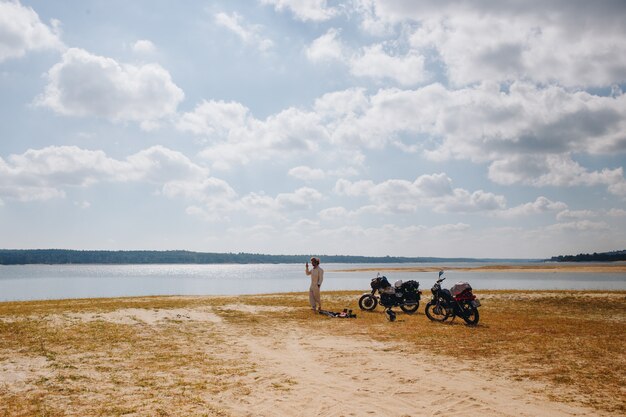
(37, 282)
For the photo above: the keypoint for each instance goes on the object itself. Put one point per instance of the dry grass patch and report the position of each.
(104, 368)
(571, 342)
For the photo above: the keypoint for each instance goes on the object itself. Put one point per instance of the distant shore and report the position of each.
(617, 267)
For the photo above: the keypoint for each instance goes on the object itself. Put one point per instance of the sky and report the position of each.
(489, 128)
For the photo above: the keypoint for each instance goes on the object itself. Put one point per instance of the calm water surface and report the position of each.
(36, 282)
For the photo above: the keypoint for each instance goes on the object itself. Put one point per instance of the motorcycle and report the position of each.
(458, 301)
(405, 295)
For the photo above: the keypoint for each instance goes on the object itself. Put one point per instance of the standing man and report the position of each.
(317, 276)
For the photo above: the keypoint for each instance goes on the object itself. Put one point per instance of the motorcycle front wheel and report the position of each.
(436, 312)
(470, 315)
(368, 302)
(410, 308)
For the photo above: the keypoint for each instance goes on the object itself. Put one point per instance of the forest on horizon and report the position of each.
(68, 256)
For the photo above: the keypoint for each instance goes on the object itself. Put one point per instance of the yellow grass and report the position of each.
(76, 357)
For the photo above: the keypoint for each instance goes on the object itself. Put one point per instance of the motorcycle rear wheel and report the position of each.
(368, 302)
(471, 315)
(436, 313)
(410, 308)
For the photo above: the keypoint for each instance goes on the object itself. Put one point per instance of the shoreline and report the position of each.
(547, 268)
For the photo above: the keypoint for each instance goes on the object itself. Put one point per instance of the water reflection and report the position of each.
(31, 282)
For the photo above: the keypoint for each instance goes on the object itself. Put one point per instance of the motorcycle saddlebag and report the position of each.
(410, 286)
(460, 287)
(380, 283)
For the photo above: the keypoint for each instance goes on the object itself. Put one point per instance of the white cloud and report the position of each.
(83, 84)
(340, 105)
(484, 122)
(554, 170)
(223, 202)
(261, 205)
(618, 185)
(82, 204)
(244, 138)
(353, 189)
(307, 173)
(448, 228)
(144, 46)
(22, 31)
(526, 134)
(326, 48)
(372, 21)
(376, 63)
(62, 166)
(214, 118)
(465, 202)
(216, 198)
(506, 40)
(578, 226)
(332, 213)
(159, 165)
(481, 123)
(314, 10)
(249, 34)
(300, 199)
(434, 191)
(616, 212)
(539, 206)
(575, 214)
(43, 174)
(204, 190)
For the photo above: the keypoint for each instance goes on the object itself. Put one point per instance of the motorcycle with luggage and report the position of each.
(458, 301)
(405, 295)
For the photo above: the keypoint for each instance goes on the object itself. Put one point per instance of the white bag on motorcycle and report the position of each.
(459, 287)
(398, 286)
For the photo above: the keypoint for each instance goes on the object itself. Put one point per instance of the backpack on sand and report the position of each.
(345, 314)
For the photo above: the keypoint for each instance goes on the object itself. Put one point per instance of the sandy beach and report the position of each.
(269, 355)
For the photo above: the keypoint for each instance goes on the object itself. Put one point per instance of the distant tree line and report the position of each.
(66, 256)
(592, 257)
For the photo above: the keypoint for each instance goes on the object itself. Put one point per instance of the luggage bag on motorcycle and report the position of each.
(380, 283)
(459, 288)
(410, 286)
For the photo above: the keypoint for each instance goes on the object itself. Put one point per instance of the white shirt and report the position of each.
(317, 276)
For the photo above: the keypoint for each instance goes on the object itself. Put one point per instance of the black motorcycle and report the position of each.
(405, 295)
(458, 301)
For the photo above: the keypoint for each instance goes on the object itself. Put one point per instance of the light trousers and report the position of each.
(314, 297)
